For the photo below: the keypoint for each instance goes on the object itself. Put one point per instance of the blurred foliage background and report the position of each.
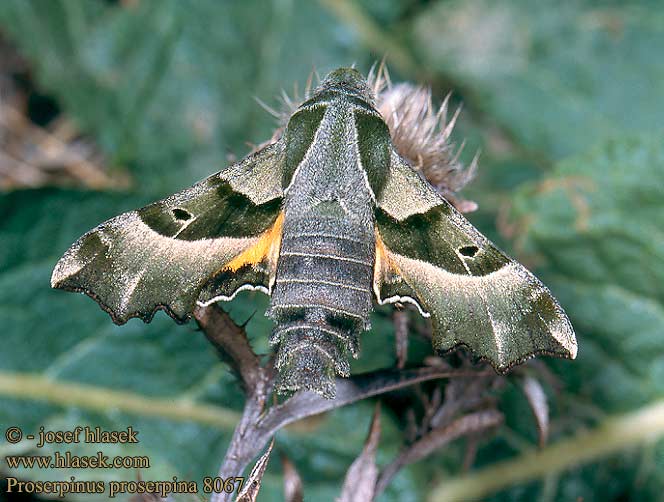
(106, 106)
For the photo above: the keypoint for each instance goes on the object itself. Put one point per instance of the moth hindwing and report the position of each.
(327, 219)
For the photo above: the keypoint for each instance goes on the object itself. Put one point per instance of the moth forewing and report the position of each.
(161, 256)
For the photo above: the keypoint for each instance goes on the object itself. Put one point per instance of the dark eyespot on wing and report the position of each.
(216, 210)
(469, 251)
(433, 238)
(182, 214)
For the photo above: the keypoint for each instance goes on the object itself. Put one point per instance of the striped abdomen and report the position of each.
(321, 300)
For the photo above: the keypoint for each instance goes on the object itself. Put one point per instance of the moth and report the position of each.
(327, 219)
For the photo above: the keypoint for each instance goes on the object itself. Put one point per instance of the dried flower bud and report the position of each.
(421, 134)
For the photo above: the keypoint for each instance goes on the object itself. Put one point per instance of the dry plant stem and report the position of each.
(249, 438)
(233, 347)
(462, 394)
(293, 490)
(351, 390)
(436, 439)
(257, 426)
(252, 485)
(259, 422)
(231, 343)
(360, 481)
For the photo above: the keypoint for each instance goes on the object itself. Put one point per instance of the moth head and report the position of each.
(348, 81)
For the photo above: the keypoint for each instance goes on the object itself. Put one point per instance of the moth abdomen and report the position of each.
(310, 356)
(325, 264)
(321, 300)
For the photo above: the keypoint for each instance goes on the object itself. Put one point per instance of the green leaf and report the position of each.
(559, 76)
(595, 227)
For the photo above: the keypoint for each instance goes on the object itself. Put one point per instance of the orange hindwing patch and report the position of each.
(265, 249)
(384, 266)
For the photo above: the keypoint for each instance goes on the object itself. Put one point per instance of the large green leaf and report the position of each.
(595, 226)
(597, 223)
(559, 76)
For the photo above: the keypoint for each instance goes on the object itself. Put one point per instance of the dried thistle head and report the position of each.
(420, 131)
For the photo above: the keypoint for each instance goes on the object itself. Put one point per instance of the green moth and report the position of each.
(327, 220)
